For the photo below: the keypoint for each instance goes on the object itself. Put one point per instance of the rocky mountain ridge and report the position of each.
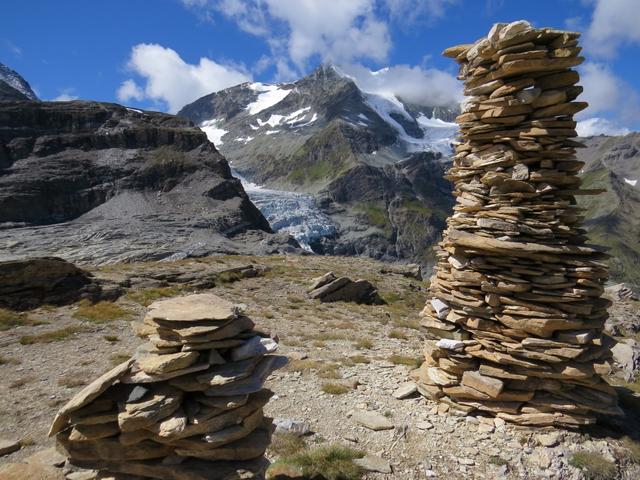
(97, 182)
(613, 217)
(371, 164)
(13, 86)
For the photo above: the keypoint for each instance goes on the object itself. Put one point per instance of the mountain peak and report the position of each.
(16, 82)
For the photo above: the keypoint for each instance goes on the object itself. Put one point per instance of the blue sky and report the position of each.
(161, 54)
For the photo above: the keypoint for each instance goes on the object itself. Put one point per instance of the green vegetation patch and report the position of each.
(594, 466)
(53, 336)
(335, 388)
(101, 312)
(405, 360)
(333, 462)
(147, 296)
(10, 319)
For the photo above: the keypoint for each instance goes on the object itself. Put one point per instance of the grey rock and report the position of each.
(8, 446)
(372, 420)
(372, 463)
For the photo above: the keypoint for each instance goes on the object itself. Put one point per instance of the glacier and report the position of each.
(295, 213)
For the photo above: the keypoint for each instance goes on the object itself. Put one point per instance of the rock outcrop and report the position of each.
(96, 182)
(188, 406)
(516, 295)
(329, 288)
(26, 284)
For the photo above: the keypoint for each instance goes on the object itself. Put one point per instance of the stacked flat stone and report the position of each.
(516, 295)
(189, 405)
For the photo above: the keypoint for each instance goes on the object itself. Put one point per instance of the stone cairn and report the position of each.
(516, 295)
(189, 405)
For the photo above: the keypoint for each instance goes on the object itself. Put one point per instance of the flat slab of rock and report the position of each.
(25, 471)
(371, 463)
(372, 420)
(158, 364)
(193, 308)
(49, 456)
(405, 390)
(8, 446)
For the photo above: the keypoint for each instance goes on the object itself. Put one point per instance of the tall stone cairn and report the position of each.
(189, 405)
(515, 297)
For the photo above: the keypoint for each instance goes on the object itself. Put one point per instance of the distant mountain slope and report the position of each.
(15, 81)
(372, 163)
(613, 217)
(101, 183)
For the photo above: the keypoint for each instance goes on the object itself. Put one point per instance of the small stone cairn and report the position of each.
(516, 294)
(189, 405)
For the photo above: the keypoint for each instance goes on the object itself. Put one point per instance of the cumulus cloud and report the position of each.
(168, 78)
(599, 126)
(303, 29)
(421, 86)
(607, 93)
(66, 95)
(614, 23)
(412, 11)
(129, 90)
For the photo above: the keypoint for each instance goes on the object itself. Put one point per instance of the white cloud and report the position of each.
(422, 86)
(168, 78)
(599, 126)
(335, 31)
(411, 11)
(129, 90)
(605, 92)
(614, 23)
(66, 95)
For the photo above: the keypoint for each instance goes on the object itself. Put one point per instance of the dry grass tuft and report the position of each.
(53, 336)
(333, 462)
(147, 296)
(334, 388)
(101, 312)
(405, 360)
(594, 466)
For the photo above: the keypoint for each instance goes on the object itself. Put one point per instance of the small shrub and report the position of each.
(593, 465)
(633, 449)
(225, 278)
(405, 360)
(28, 442)
(10, 319)
(498, 461)
(8, 360)
(111, 338)
(364, 344)
(287, 444)
(101, 312)
(118, 358)
(352, 360)
(333, 462)
(398, 334)
(304, 365)
(329, 371)
(54, 336)
(71, 380)
(147, 296)
(21, 382)
(411, 323)
(334, 388)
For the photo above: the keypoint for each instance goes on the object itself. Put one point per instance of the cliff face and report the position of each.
(101, 182)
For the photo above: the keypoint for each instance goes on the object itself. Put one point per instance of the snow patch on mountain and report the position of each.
(269, 96)
(214, 134)
(437, 134)
(631, 182)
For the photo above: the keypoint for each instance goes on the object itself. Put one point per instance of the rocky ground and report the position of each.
(346, 359)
